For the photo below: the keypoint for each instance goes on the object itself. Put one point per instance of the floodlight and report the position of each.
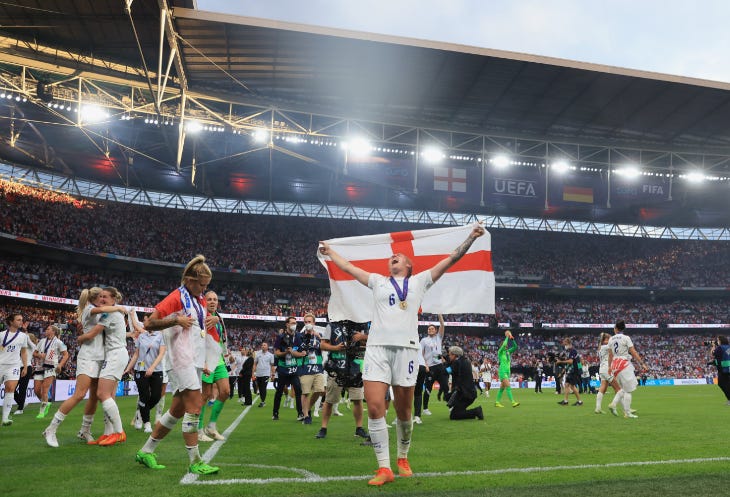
(560, 166)
(501, 161)
(695, 176)
(93, 114)
(193, 126)
(629, 171)
(432, 154)
(358, 146)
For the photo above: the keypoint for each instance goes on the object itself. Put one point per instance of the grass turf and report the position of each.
(539, 447)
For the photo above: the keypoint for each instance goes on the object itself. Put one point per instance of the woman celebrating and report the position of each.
(217, 350)
(14, 345)
(182, 314)
(47, 352)
(391, 354)
(505, 368)
(146, 362)
(603, 373)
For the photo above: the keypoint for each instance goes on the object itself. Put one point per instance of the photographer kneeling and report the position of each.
(463, 392)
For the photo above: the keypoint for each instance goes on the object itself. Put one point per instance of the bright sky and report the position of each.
(678, 37)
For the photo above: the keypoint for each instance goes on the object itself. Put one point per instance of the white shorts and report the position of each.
(392, 365)
(9, 373)
(603, 374)
(185, 378)
(165, 378)
(114, 364)
(46, 373)
(88, 367)
(627, 379)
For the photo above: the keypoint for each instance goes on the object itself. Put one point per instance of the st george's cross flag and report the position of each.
(466, 287)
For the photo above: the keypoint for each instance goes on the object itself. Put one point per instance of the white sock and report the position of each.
(111, 411)
(404, 430)
(378, 429)
(616, 399)
(212, 426)
(599, 401)
(150, 445)
(160, 409)
(7, 405)
(627, 402)
(43, 406)
(193, 453)
(86, 421)
(56, 421)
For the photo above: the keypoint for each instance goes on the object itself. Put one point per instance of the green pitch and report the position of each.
(677, 446)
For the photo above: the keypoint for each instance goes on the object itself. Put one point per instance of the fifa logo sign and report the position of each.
(652, 189)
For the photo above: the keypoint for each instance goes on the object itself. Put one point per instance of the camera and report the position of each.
(307, 342)
(284, 341)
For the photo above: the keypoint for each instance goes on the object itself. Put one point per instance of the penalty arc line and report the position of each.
(320, 479)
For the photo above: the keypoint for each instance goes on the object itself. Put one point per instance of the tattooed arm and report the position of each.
(439, 269)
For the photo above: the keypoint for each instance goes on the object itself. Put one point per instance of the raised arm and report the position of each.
(442, 326)
(359, 274)
(440, 268)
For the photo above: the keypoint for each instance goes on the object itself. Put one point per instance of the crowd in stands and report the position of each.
(668, 354)
(288, 244)
(67, 281)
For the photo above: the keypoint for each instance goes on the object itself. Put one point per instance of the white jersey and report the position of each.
(92, 350)
(486, 372)
(264, 361)
(431, 349)
(620, 345)
(392, 325)
(10, 346)
(53, 349)
(115, 331)
(603, 357)
(237, 364)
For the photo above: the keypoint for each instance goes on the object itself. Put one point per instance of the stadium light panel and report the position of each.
(560, 166)
(358, 147)
(695, 176)
(260, 136)
(432, 154)
(193, 126)
(93, 114)
(629, 172)
(501, 161)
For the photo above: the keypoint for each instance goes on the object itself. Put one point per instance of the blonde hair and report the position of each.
(603, 337)
(195, 269)
(56, 329)
(310, 315)
(87, 295)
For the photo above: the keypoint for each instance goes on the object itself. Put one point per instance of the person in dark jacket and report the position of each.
(463, 393)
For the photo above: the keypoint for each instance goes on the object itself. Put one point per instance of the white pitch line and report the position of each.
(191, 478)
(319, 479)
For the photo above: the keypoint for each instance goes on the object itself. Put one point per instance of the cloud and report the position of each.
(668, 36)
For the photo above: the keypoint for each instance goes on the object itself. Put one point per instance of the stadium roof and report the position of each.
(239, 74)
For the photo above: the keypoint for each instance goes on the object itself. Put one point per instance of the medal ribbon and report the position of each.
(7, 333)
(402, 294)
(189, 303)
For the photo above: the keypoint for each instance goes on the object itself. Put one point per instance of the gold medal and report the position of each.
(2, 348)
(202, 333)
(403, 305)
